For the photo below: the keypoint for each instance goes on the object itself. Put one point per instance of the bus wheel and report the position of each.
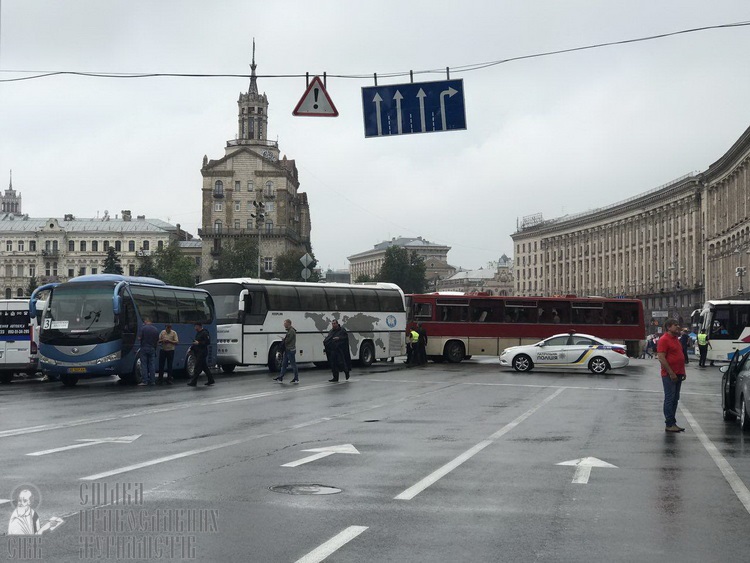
(366, 354)
(6, 377)
(228, 368)
(522, 363)
(454, 351)
(274, 359)
(190, 365)
(69, 380)
(598, 365)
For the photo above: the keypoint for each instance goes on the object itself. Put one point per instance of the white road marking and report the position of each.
(251, 438)
(323, 452)
(583, 468)
(331, 546)
(438, 474)
(90, 442)
(729, 474)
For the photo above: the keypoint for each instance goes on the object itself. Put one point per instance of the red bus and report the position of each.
(460, 326)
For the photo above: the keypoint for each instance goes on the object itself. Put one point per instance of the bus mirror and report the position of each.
(117, 304)
(32, 308)
(245, 300)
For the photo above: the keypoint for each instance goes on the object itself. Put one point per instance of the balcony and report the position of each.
(51, 253)
(218, 194)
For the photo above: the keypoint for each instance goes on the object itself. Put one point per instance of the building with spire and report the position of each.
(252, 191)
(10, 201)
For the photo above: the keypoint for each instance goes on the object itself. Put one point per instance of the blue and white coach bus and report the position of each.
(250, 315)
(91, 325)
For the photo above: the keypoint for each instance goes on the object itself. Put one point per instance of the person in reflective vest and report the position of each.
(412, 339)
(703, 346)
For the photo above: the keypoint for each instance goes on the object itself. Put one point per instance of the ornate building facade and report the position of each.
(435, 256)
(492, 281)
(250, 174)
(673, 247)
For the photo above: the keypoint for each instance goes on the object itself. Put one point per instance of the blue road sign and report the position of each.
(422, 107)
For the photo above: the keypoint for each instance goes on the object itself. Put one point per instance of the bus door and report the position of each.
(128, 324)
(254, 345)
(15, 339)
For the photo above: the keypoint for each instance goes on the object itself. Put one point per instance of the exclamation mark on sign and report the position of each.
(316, 91)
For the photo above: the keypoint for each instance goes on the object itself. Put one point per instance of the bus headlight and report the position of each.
(111, 358)
(46, 360)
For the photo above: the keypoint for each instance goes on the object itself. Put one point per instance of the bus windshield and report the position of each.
(79, 314)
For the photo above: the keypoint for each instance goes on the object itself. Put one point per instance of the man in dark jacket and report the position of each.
(684, 342)
(421, 348)
(200, 350)
(149, 341)
(337, 349)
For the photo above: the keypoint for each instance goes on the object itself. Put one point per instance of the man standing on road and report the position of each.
(685, 343)
(168, 340)
(421, 355)
(703, 346)
(672, 360)
(290, 353)
(149, 341)
(337, 349)
(200, 349)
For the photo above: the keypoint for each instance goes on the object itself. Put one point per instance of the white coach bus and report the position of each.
(250, 319)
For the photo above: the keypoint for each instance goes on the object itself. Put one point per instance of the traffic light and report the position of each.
(740, 271)
(260, 213)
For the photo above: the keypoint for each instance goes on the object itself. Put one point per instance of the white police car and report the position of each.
(572, 350)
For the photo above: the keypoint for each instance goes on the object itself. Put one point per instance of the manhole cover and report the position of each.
(305, 489)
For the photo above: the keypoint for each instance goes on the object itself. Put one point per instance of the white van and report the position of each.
(18, 346)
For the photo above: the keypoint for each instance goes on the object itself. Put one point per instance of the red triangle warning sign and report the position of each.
(316, 102)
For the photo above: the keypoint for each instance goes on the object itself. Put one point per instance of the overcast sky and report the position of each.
(554, 135)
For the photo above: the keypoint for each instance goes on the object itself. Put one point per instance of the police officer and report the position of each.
(703, 346)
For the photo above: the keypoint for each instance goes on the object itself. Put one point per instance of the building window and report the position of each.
(146, 245)
(268, 264)
(217, 227)
(8, 271)
(269, 188)
(19, 292)
(32, 271)
(54, 268)
(269, 227)
(218, 206)
(82, 271)
(9, 245)
(270, 206)
(32, 246)
(94, 270)
(8, 293)
(71, 272)
(55, 248)
(237, 185)
(131, 246)
(71, 245)
(131, 270)
(250, 185)
(94, 246)
(20, 270)
(106, 245)
(219, 189)
(237, 224)
(83, 246)
(160, 245)
(250, 224)
(47, 271)
(118, 246)
(236, 205)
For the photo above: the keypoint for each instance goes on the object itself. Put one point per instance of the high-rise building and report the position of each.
(249, 181)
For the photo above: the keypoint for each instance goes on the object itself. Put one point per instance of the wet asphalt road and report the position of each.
(455, 463)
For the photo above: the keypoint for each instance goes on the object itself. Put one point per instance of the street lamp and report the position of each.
(740, 270)
(259, 216)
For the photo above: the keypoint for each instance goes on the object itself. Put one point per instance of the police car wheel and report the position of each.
(522, 362)
(598, 365)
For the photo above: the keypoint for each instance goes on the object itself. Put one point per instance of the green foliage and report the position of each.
(406, 271)
(173, 267)
(146, 267)
(33, 284)
(287, 266)
(238, 259)
(112, 262)
(364, 278)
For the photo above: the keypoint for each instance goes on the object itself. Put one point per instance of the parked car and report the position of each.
(571, 350)
(735, 390)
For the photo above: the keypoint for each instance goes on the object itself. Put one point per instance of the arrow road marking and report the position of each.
(421, 95)
(449, 92)
(377, 99)
(331, 546)
(323, 452)
(583, 468)
(398, 97)
(90, 442)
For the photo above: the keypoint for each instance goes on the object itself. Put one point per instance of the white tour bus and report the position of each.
(250, 317)
(727, 325)
(18, 339)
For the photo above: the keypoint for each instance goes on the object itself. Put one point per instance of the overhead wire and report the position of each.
(456, 69)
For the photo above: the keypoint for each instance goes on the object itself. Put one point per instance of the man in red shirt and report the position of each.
(672, 360)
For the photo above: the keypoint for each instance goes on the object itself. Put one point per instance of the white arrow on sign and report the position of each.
(398, 97)
(583, 468)
(323, 452)
(421, 95)
(90, 442)
(449, 92)
(376, 100)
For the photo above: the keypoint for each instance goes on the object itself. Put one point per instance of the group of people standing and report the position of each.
(166, 343)
(336, 344)
(686, 341)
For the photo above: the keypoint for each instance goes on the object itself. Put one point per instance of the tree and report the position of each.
(112, 262)
(406, 271)
(173, 267)
(237, 259)
(287, 266)
(364, 278)
(146, 267)
(33, 284)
